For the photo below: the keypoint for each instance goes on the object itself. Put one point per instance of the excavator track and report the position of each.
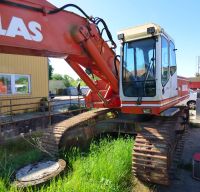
(154, 146)
(154, 149)
(71, 131)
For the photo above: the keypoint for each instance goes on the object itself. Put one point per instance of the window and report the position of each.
(165, 62)
(14, 84)
(22, 84)
(129, 68)
(5, 84)
(172, 58)
(139, 62)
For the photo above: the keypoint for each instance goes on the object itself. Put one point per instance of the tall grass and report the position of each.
(14, 155)
(105, 168)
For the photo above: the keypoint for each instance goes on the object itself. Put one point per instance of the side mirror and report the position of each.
(79, 88)
(163, 90)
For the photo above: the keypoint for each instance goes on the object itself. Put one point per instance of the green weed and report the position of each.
(105, 168)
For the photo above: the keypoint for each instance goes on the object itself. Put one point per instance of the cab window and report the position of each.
(165, 61)
(172, 58)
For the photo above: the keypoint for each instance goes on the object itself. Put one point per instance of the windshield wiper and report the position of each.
(151, 65)
(149, 69)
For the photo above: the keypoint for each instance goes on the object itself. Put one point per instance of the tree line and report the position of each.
(67, 80)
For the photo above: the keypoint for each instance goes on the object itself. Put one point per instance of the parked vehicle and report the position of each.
(192, 99)
(71, 91)
(84, 90)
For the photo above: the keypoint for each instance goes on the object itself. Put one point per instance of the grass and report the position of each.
(106, 167)
(14, 155)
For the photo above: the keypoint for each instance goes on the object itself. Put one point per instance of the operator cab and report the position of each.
(148, 82)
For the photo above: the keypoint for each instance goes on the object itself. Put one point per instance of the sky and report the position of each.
(179, 18)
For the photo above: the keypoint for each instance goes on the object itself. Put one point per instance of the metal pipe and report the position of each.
(102, 65)
(83, 37)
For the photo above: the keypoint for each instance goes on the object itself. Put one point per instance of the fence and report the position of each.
(13, 109)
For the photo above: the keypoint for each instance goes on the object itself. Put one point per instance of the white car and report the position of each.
(191, 103)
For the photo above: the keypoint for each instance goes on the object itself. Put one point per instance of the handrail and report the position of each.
(20, 98)
(10, 108)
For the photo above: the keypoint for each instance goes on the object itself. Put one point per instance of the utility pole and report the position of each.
(198, 66)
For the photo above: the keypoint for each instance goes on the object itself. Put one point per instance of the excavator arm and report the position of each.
(38, 28)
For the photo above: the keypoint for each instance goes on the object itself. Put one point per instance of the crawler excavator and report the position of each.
(144, 82)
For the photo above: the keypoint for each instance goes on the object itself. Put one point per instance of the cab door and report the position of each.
(165, 72)
(168, 69)
(173, 72)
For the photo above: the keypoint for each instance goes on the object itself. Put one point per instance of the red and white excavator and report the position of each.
(144, 81)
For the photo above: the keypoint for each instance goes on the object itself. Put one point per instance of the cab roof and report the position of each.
(140, 32)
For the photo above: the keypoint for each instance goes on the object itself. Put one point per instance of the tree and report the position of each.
(57, 76)
(50, 69)
(82, 83)
(69, 81)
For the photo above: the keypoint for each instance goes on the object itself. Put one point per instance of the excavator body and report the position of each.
(144, 81)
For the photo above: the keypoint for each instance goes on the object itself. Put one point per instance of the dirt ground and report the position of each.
(183, 181)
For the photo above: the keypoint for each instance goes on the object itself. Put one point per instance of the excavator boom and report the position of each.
(39, 28)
